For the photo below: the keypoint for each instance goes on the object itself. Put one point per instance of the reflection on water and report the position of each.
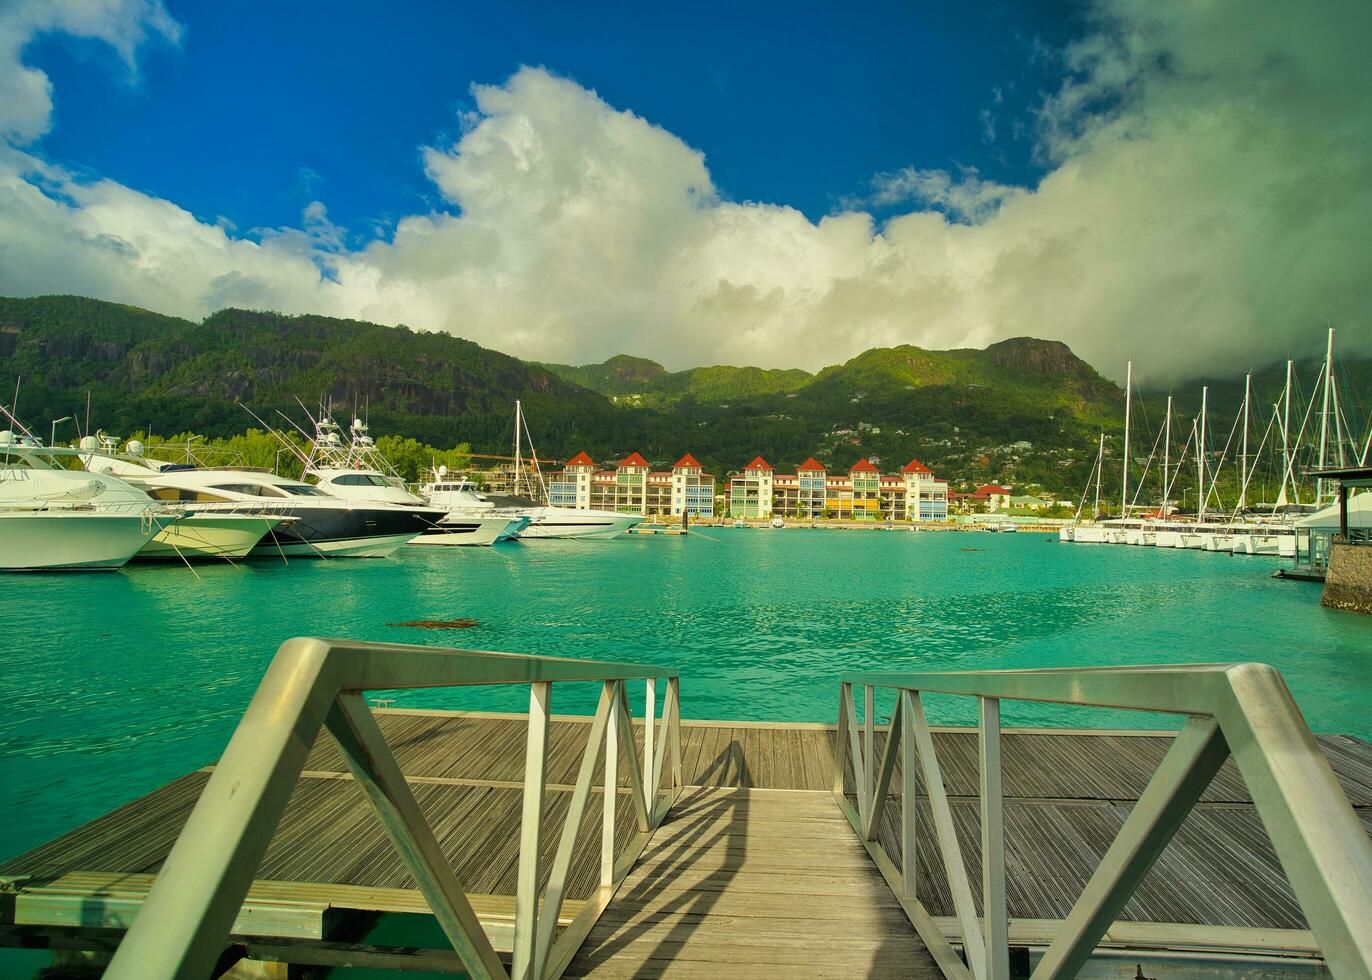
(114, 683)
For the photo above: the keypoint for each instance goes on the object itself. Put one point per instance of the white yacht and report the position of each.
(355, 470)
(53, 518)
(314, 524)
(568, 522)
(545, 520)
(206, 530)
(466, 506)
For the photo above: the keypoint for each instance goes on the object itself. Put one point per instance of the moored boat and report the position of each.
(55, 518)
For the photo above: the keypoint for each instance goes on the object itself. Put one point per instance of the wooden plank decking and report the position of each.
(765, 883)
(712, 875)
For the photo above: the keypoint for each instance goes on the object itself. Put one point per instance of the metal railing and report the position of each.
(182, 928)
(1243, 710)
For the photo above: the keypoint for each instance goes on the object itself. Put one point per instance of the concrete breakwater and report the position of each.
(1348, 581)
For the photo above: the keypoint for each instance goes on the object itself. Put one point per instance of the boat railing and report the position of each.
(182, 928)
(1243, 710)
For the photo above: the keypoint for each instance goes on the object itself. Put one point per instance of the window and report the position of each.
(301, 490)
(351, 480)
(186, 494)
(254, 489)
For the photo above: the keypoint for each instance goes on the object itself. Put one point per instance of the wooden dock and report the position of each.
(755, 866)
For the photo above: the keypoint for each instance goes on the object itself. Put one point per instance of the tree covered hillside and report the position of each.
(1021, 410)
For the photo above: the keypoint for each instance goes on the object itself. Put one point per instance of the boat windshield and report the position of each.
(249, 489)
(365, 480)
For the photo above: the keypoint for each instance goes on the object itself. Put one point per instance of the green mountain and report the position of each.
(641, 383)
(1022, 411)
(145, 371)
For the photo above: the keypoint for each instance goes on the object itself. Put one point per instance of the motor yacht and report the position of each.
(313, 524)
(467, 506)
(53, 517)
(356, 470)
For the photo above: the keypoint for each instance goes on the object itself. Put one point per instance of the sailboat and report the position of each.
(531, 494)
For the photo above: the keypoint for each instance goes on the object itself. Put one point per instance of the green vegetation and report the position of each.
(411, 459)
(1021, 411)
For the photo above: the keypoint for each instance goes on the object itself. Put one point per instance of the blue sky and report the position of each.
(1187, 185)
(265, 107)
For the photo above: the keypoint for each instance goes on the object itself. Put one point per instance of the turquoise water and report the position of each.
(114, 683)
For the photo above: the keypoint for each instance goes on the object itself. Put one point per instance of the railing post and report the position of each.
(993, 845)
(607, 824)
(845, 694)
(649, 770)
(909, 762)
(945, 830)
(674, 692)
(525, 965)
(869, 700)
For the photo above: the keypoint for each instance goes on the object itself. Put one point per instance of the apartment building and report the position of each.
(632, 487)
(863, 493)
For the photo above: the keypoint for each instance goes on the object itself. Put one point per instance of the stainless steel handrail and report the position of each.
(312, 683)
(1243, 709)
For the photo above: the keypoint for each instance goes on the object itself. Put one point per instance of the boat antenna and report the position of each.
(295, 450)
(15, 404)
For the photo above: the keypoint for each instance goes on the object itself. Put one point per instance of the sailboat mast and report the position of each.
(519, 425)
(1324, 413)
(1243, 478)
(1286, 439)
(1200, 457)
(1100, 465)
(1338, 419)
(1128, 404)
(1166, 454)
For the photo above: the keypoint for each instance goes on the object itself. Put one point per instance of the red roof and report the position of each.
(759, 464)
(687, 460)
(915, 466)
(633, 459)
(581, 459)
(995, 488)
(810, 464)
(864, 466)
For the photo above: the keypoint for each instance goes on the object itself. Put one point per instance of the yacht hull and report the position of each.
(65, 541)
(345, 533)
(471, 531)
(203, 536)
(579, 525)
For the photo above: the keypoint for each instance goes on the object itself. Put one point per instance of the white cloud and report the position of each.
(1207, 209)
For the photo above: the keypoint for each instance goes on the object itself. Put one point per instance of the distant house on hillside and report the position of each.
(1029, 503)
(991, 497)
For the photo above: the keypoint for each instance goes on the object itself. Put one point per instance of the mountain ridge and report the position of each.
(1021, 410)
